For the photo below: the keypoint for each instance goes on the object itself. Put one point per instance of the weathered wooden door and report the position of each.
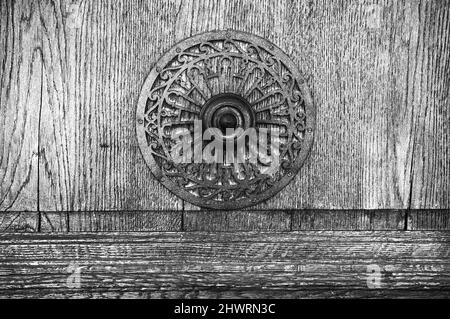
(374, 192)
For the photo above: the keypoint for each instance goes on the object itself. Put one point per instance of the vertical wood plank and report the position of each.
(430, 87)
(20, 99)
(96, 57)
(357, 55)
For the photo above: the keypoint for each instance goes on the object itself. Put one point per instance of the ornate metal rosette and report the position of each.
(232, 79)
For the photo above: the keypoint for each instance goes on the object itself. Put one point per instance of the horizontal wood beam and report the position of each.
(240, 264)
(246, 220)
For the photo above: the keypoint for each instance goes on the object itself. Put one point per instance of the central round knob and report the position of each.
(227, 111)
(227, 120)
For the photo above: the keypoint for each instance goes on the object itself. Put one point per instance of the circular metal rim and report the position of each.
(297, 164)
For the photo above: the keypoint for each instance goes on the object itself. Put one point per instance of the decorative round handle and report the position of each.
(225, 120)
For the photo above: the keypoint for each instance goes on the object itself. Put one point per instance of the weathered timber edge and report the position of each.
(223, 265)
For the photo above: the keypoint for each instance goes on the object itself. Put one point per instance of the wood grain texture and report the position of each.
(432, 219)
(378, 71)
(349, 220)
(53, 222)
(277, 220)
(430, 96)
(209, 220)
(18, 222)
(366, 72)
(71, 72)
(365, 58)
(96, 57)
(220, 221)
(239, 264)
(357, 57)
(221, 293)
(286, 220)
(20, 99)
(124, 221)
(110, 221)
(354, 57)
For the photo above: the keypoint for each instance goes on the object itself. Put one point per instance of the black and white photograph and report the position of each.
(244, 152)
